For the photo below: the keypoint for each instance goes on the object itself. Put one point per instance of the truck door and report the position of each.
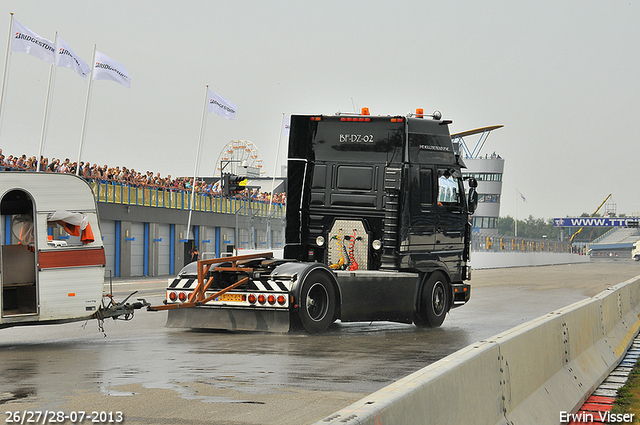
(422, 218)
(450, 212)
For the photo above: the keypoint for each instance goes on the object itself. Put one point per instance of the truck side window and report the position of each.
(426, 187)
(448, 189)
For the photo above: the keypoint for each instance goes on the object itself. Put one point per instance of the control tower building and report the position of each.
(487, 170)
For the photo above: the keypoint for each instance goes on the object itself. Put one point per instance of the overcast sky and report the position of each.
(562, 77)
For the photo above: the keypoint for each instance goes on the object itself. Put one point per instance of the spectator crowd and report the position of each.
(126, 176)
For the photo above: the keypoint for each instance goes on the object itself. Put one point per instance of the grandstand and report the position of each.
(618, 242)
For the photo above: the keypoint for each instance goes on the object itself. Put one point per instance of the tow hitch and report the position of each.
(115, 309)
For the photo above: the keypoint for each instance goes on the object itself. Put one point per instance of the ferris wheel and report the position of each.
(238, 154)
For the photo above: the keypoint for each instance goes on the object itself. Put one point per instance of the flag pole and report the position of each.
(275, 167)
(52, 74)
(7, 57)
(86, 110)
(195, 168)
(516, 229)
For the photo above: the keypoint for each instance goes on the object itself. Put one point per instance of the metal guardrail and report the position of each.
(499, 243)
(118, 193)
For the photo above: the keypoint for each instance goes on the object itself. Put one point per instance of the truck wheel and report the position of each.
(317, 302)
(434, 302)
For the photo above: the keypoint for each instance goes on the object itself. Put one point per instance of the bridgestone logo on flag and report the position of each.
(27, 41)
(106, 68)
(68, 59)
(221, 106)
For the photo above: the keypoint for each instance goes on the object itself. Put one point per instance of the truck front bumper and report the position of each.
(461, 294)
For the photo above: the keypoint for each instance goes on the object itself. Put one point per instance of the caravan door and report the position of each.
(18, 276)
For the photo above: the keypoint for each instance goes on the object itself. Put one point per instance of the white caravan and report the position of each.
(52, 258)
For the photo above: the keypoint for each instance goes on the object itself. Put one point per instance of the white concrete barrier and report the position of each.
(527, 375)
(495, 260)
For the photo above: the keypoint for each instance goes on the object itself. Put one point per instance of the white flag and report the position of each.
(106, 68)
(221, 106)
(26, 41)
(65, 57)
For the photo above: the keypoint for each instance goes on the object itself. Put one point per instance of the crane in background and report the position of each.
(595, 212)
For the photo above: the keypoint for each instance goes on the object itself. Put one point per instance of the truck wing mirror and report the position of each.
(473, 200)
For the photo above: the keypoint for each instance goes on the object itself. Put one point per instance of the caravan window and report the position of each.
(69, 228)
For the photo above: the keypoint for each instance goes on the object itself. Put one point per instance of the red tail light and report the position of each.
(252, 298)
(262, 299)
(182, 296)
(281, 299)
(271, 299)
(173, 296)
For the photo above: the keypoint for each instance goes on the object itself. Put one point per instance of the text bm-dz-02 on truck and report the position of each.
(377, 229)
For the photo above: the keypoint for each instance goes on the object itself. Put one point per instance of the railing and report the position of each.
(601, 237)
(118, 193)
(498, 243)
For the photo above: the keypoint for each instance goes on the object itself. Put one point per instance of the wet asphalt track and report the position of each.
(158, 375)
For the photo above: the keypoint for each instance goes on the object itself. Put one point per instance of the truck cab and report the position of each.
(395, 181)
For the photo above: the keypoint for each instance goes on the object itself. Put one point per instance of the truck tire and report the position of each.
(317, 302)
(434, 302)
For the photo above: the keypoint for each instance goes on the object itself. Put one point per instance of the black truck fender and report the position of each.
(297, 272)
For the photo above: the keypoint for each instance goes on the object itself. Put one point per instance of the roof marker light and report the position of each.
(365, 111)
(419, 113)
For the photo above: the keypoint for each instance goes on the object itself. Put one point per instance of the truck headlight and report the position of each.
(320, 241)
(376, 244)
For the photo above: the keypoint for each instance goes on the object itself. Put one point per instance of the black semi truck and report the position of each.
(377, 229)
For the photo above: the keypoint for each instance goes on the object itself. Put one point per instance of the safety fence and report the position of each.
(118, 193)
(497, 243)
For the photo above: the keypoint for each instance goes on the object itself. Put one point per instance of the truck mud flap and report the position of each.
(228, 319)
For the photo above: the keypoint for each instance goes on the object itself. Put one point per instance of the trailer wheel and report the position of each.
(434, 302)
(317, 302)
